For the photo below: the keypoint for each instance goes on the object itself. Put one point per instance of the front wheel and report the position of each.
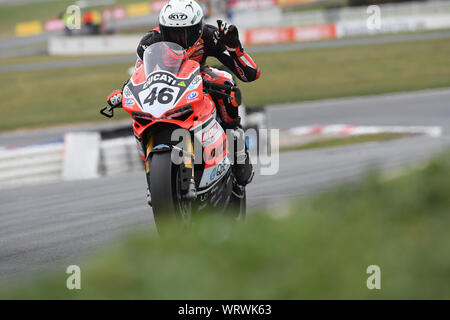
(165, 188)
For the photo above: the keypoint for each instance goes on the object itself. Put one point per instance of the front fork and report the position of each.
(186, 168)
(187, 173)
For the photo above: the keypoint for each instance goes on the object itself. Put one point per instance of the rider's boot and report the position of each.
(242, 168)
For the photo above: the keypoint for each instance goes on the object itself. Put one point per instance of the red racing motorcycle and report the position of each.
(180, 137)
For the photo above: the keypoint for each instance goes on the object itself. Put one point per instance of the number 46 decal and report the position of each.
(164, 96)
(158, 98)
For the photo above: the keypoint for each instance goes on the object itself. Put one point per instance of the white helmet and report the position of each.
(181, 21)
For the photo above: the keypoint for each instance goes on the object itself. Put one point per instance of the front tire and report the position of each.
(167, 202)
(238, 206)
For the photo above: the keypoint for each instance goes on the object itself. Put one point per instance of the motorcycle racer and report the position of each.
(181, 22)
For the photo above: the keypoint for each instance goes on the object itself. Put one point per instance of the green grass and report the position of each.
(44, 58)
(54, 97)
(51, 97)
(342, 141)
(350, 71)
(319, 247)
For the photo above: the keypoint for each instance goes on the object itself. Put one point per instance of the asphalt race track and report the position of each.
(57, 224)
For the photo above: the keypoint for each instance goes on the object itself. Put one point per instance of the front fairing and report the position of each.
(203, 110)
(163, 85)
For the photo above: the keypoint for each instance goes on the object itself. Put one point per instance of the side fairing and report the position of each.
(214, 143)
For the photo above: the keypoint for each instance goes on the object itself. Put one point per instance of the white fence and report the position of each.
(89, 45)
(36, 164)
(47, 163)
(119, 155)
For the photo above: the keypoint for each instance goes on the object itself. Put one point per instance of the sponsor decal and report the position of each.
(178, 17)
(192, 95)
(28, 28)
(127, 92)
(213, 174)
(161, 77)
(137, 9)
(182, 84)
(204, 197)
(221, 168)
(216, 152)
(129, 102)
(210, 133)
(195, 83)
(260, 36)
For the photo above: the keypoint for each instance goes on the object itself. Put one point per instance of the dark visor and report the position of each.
(184, 36)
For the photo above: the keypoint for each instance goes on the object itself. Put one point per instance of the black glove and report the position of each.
(228, 35)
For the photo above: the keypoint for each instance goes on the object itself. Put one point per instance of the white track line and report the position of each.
(345, 130)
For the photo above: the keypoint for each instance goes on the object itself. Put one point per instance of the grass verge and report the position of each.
(349, 71)
(50, 97)
(317, 248)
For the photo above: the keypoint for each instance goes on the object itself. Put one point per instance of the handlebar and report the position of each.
(217, 88)
(108, 111)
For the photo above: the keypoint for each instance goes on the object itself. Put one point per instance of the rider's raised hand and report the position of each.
(228, 35)
(115, 99)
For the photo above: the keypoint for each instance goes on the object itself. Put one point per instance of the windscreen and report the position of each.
(164, 56)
